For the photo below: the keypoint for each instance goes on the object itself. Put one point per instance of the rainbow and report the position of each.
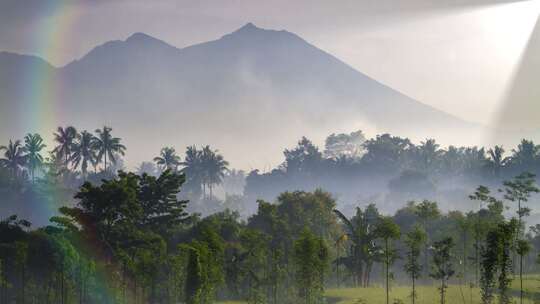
(41, 96)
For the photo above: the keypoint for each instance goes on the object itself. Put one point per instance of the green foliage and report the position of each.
(133, 230)
(443, 267)
(496, 260)
(204, 169)
(519, 190)
(361, 235)
(387, 230)
(311, 260)
(194, 277)
(414, 240)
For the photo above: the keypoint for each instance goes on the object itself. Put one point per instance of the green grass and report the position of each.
(376, 295)
(426, 294)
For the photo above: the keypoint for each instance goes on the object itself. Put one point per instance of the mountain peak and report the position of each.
(137, 37)
(250, 31)
(249, 28)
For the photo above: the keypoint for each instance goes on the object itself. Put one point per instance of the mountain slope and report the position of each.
(250, 93)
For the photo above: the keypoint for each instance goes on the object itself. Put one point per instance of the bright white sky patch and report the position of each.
(460, 61)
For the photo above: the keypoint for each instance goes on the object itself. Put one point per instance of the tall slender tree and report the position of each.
(443, 268)
(427, 211)
(192, 168)
(520, 190)
(64, 138)
(483, 196)
(107, 146)
(388, 230)
(215, 167)
(523, 248)
(84, 152)
(14, 159)
(33, 144)
(414, 240)
(168, 159)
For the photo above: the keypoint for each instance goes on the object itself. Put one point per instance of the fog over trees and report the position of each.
(185, 227)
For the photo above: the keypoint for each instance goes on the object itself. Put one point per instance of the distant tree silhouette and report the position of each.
(14, 158)
(168, 159)
(64, 138)
(84, 152)
(497, 160)
(33, 145)
(107, 146)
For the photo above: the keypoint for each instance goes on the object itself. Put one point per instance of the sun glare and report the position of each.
(510, 26)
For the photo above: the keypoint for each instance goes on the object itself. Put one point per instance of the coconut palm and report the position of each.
(168, 159)
(192, 168)
(214, 166)
(64, 137)
(525, 156)
(497, 160)
(14, 159)
(429, 153)
(107, 146)
(84, 152)
(33, 144)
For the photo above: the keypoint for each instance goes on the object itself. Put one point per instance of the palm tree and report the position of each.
(525, 156)
(497, 159)
(215, 167)
(363, 250)
(108, 146)
(64, 137)
(14, 158)
(168, 159)
(33, 144)
(192, 168)
(429, 154)
(84, 152)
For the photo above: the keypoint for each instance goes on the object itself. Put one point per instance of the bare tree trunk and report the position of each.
(521, 279)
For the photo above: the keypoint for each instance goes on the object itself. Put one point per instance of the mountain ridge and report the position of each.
(249, 82)
(138, 38)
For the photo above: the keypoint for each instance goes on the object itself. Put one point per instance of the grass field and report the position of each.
(426, 294)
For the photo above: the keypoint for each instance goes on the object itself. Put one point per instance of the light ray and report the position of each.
(519, 114)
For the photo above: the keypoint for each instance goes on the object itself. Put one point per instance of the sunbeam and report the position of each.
(520, 109)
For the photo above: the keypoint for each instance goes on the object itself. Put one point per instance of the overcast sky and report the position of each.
(457, 55)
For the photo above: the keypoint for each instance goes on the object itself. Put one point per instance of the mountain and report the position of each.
(250, 93)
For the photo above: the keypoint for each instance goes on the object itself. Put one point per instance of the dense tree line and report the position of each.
(389, 169)
(129, 240)
(137, 238)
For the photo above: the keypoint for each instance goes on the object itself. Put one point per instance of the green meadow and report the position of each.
(457, 294)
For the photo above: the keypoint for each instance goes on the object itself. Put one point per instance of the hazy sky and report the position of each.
(457, 55)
